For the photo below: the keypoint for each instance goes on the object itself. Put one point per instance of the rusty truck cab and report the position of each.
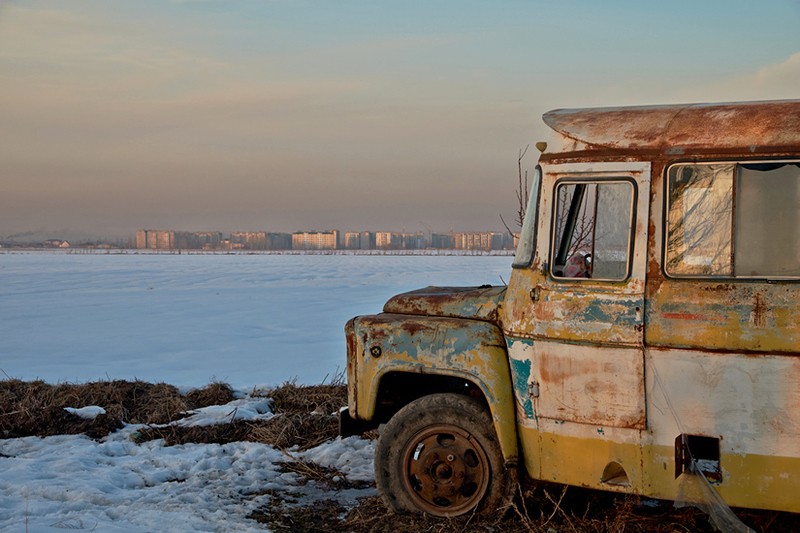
(648, 341)
(651, 318)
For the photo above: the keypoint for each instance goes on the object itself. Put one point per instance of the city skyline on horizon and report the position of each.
(40, 236)
(283, 115)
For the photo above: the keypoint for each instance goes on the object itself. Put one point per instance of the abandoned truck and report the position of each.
(649, 334)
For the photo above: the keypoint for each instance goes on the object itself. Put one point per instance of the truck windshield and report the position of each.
(527, 236)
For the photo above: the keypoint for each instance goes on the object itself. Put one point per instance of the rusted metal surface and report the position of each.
(596, 376)
(585, 352)
(725, 316)
(470, 349)
(580, 310)
(352, 367)
(446, 469)
(590, 384)
(588, 313)
(679, 130)
(479, 303)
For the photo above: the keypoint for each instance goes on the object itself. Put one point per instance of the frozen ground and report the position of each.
(188, 319)
(71, 482)
(249, 320)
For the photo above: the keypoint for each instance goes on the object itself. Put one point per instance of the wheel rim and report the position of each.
(445, 470)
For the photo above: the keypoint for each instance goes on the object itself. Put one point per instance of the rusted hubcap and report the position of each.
(446, 470)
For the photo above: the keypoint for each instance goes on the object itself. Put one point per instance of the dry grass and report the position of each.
(37, 408)
(319, 399)
(304, 418)
(306, 415)
(326, 476)
(539, 508)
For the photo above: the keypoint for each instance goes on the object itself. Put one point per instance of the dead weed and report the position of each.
(37, 408)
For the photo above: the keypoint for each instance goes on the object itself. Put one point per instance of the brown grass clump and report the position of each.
(303, 418)
(305, 415)
(212, 394)
(304, 399)
(37, 408)
(304, 431)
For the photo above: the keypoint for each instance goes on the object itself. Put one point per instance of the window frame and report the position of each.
(530, 226)
(594, 180)
(665, 233)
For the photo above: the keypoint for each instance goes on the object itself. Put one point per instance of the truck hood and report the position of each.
(477, 303)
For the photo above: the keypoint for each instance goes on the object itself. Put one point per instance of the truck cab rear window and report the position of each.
(733, 220)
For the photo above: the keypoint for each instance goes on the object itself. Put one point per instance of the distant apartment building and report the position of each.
(249, 240)
(150, 239)
(367, 241)
(479, 241)
(261, 240)
(511, 241)
(352, 240)
(315, 240)
(279, 241)
(413, 241)
(384, 240)
(198, 240)
(147, 239)
(441, 241)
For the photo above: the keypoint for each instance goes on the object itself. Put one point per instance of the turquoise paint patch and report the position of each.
(599, 312)
(520, 375)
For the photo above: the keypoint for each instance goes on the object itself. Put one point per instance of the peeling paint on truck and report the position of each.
(613, 381)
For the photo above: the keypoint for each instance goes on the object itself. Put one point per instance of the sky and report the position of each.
(287, 115)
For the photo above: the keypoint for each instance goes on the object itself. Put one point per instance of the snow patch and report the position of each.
(89, 412)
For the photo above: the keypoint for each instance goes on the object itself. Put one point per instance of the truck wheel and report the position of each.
(439, 455)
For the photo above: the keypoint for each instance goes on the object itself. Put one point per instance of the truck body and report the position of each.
(648, 337)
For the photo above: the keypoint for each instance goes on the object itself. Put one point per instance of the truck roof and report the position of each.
(750, 127)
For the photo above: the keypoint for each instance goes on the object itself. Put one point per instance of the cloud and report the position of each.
(776, 81)
(780, 77)
(73, 48)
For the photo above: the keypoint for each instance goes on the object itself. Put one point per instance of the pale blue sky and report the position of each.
(285, 115)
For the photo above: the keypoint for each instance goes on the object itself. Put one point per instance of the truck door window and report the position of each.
(733, 220)
(592, 230)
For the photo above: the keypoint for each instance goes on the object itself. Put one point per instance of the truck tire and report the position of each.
(439, 455)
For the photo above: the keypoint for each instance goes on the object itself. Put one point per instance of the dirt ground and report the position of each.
(36, 408)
